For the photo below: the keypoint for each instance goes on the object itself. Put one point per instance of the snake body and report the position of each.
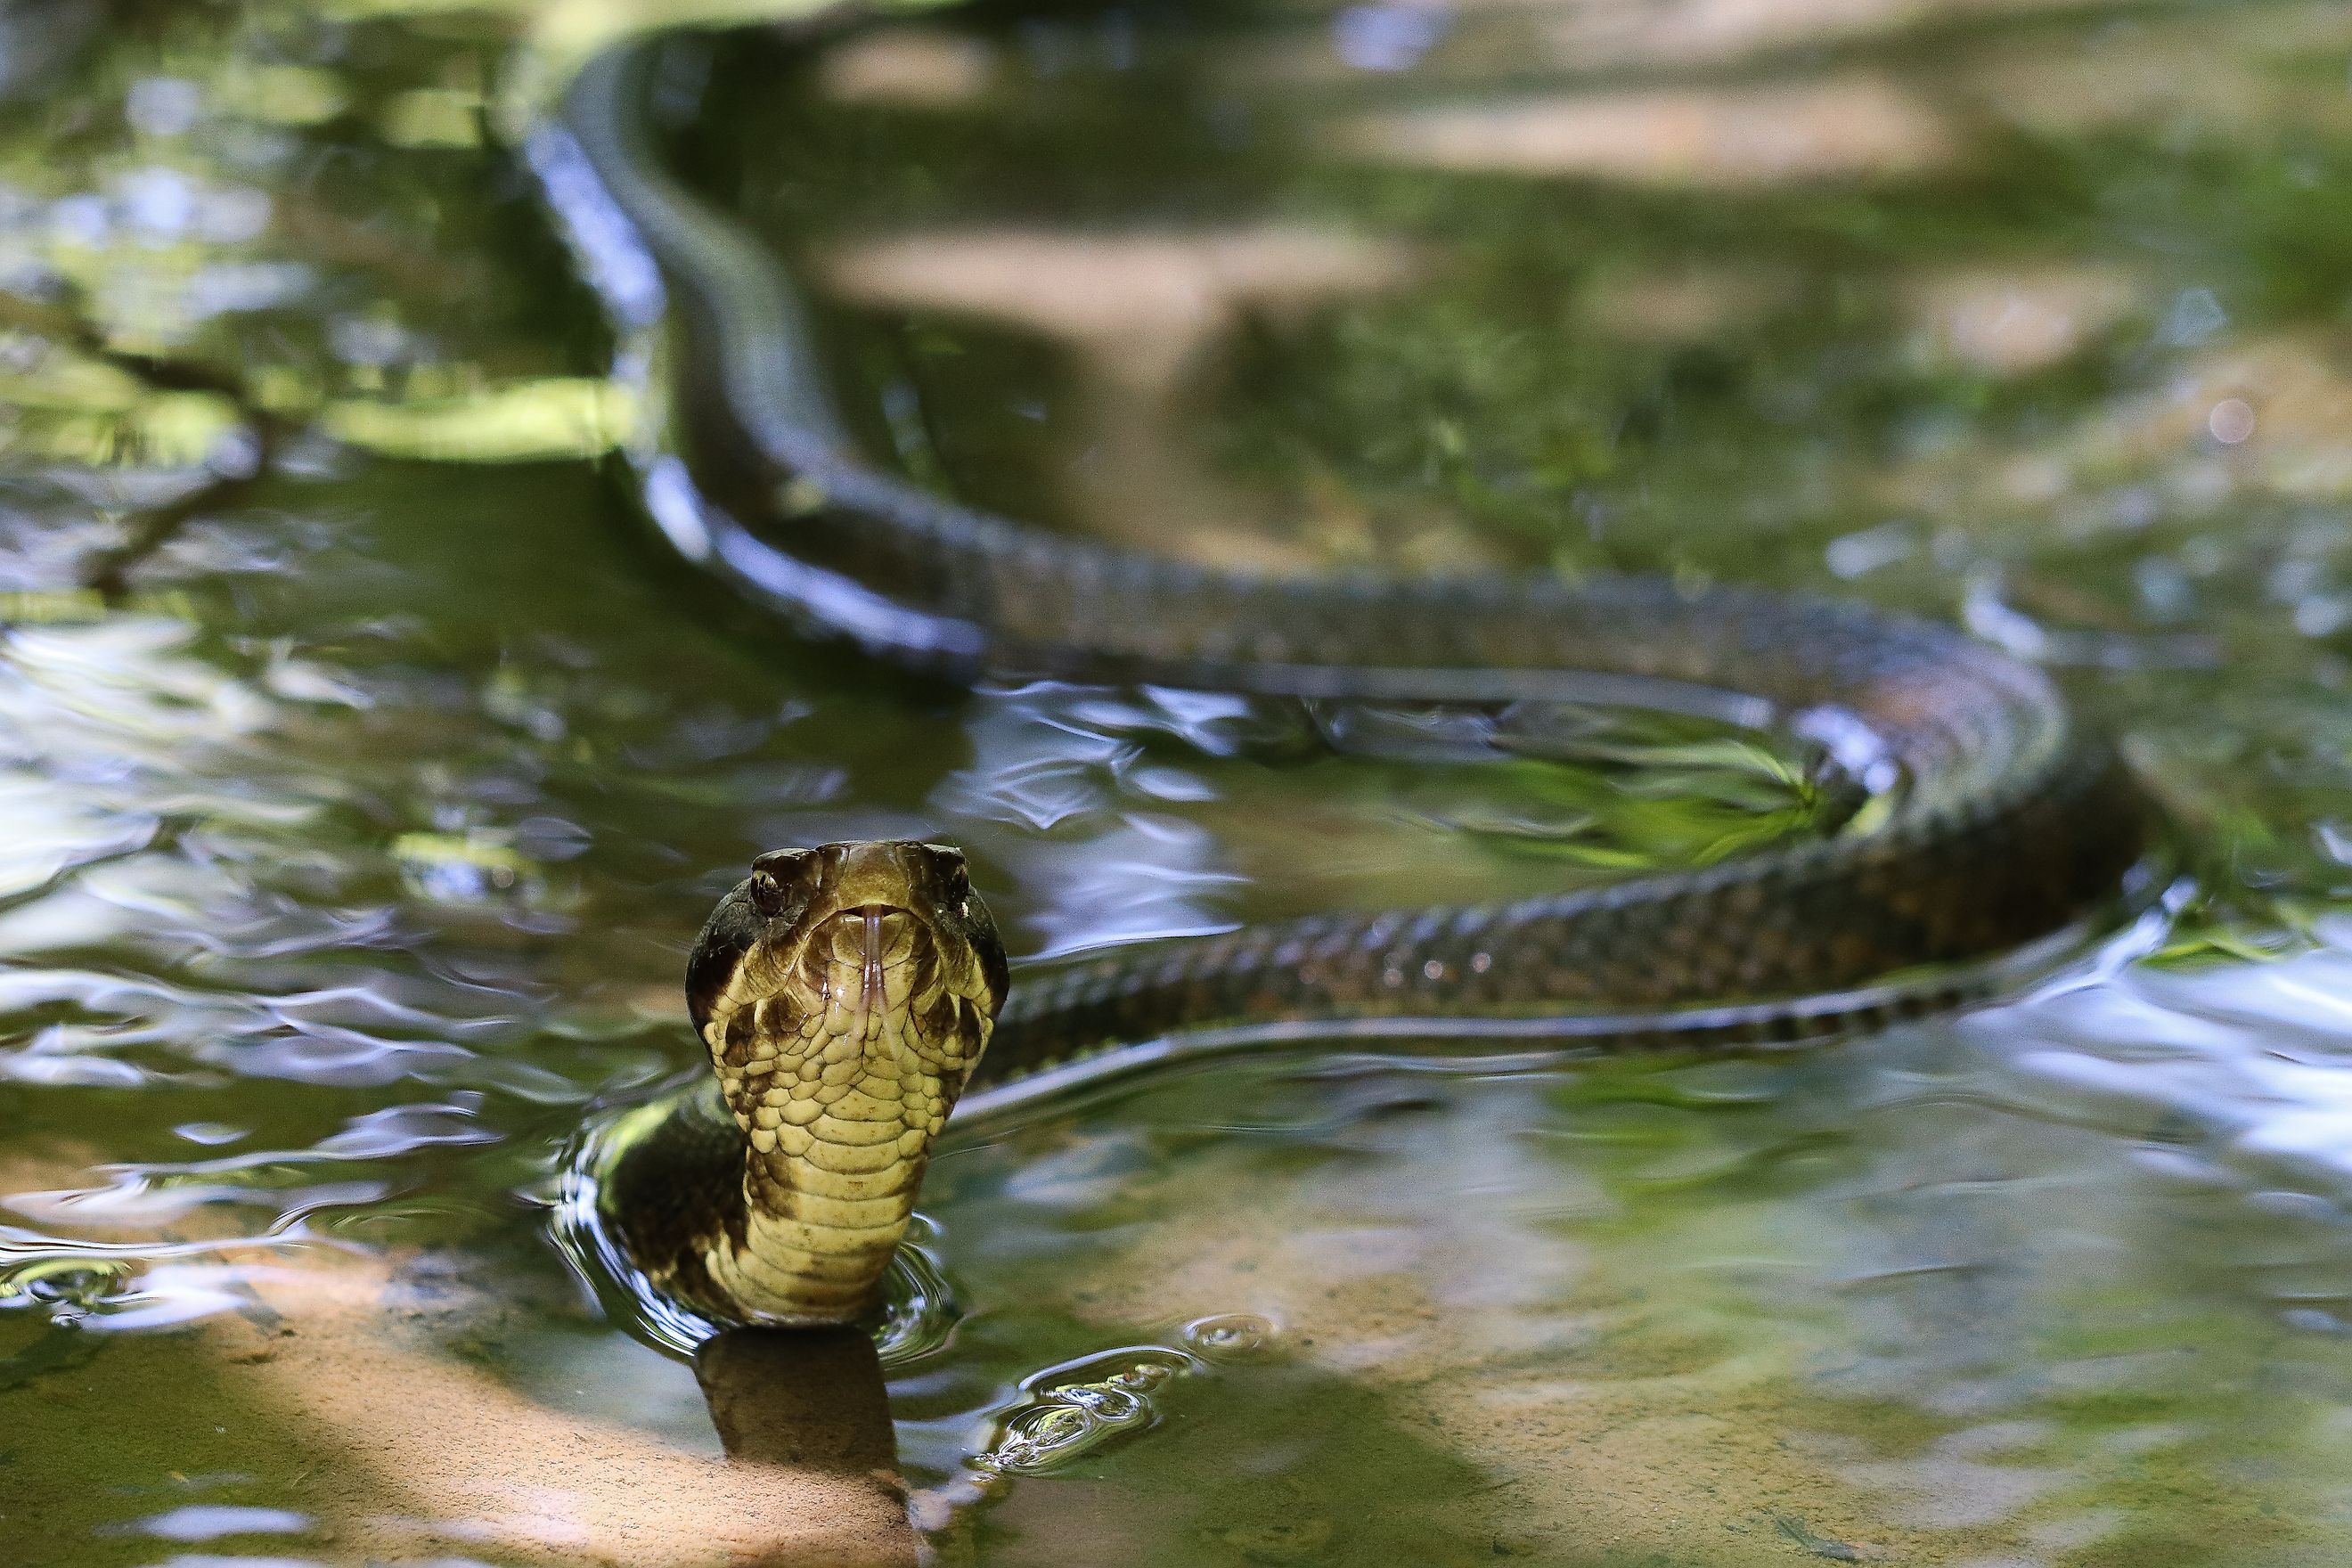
(2002, 818)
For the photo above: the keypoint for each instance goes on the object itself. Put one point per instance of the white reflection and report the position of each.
(208, 1522)
(1060, 786)
(2249, 1064)
(1147, 878)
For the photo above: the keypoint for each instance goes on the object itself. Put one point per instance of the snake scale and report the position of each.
(846, 993)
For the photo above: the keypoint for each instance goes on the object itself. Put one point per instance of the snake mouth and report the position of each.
(872, 941)
(875, 936)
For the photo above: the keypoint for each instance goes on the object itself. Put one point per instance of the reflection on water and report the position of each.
(367, 775)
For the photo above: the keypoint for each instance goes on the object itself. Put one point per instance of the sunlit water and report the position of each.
(355, 843)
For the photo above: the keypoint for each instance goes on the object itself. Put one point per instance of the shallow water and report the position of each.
(362, 816)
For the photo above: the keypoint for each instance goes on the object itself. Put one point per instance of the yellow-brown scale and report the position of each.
(842, 1035)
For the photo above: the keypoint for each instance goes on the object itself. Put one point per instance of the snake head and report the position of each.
(757, 941)
(846, 993)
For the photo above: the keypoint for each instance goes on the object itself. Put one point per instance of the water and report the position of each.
(361, 817)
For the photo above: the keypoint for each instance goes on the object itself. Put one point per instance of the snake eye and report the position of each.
(953, 873)
(767, 894)
(768, 875)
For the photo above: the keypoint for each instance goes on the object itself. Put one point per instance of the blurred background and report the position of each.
(368, 765)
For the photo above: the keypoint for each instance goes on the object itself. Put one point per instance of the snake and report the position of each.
(849, 994)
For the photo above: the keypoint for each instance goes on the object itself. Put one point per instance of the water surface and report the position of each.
(370, 766)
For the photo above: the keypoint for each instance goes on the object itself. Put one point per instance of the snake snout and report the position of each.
(876, 936)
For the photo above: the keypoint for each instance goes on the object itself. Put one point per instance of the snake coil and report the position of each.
(2003, 822)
